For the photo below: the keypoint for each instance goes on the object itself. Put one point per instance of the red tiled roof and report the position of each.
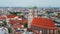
(15, 21)
(18, 33)
(11, 16)
(43, 23)
(25, 21)
(16, 26)
(2, 17)
(19, 26)
(19, 16)
(18, 21)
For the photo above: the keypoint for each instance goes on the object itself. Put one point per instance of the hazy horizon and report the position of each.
(29, 3)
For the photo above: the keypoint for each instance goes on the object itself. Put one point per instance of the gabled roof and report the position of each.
(43, 23)
(14, 27)
(25, 21)
(18, 21)
(15, 21)
(2, 17)
(17, 26)
(18, 33)
(19, 16)
(11, 16)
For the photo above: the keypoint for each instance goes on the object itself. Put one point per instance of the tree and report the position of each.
(34, 7)
(1, 24)
(48, 12)
(15, 13)
(9, 29)
(4, 22)
(25, 25)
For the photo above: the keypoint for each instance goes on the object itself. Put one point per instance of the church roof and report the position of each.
(43, 23)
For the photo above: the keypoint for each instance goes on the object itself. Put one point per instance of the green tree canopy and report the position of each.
(15, 13)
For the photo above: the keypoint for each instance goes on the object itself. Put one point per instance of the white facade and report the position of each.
(35, 11)
(30, 17)
(3, 30)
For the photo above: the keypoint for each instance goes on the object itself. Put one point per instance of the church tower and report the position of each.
(30, 17)
(32, 13)
(35, 12)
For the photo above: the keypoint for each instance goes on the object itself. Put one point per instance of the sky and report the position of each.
(29, 3)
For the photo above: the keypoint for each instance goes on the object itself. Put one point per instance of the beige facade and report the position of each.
(32, 13)
(30, 17)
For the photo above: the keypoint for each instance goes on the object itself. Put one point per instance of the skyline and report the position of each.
(29, 3)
